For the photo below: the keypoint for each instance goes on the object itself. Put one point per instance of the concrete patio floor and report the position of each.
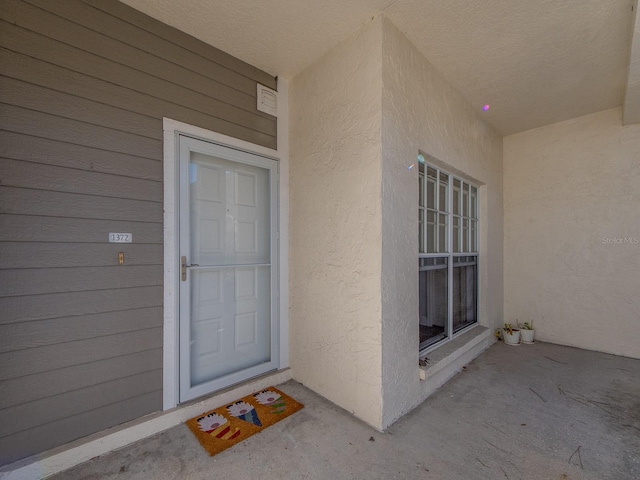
(538, 411)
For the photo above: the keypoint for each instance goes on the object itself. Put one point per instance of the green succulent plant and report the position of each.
(509, 328)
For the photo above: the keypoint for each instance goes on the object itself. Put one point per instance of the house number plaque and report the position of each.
(120, 237)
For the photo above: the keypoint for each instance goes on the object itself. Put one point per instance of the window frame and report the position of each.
(468, 248)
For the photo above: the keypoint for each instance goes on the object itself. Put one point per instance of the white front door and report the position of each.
(228, 284)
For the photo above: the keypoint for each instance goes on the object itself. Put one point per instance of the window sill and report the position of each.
(447, 359)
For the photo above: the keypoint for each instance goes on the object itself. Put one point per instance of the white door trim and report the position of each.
(170, 356)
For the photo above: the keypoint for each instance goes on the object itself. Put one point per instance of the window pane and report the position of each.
(456, 196)
(443, 192)
(431, 193)
(455, 234)
(431, 187)
(421, 191)
(465, 235)
(442, 233)
(465, 200)
(431, 232)
(421, 246)
(474, 203)
(474, 236)
(465, 302)
(433, 299)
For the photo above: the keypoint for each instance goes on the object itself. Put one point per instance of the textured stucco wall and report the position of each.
(421, 111)
(335, 223)
(572, 224)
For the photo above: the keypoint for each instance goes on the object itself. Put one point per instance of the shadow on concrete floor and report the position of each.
(537, 411)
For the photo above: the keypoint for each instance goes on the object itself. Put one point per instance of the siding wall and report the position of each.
(84, 85)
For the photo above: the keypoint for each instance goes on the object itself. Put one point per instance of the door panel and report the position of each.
(228, 320)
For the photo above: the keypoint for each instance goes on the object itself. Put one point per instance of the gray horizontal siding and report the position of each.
(20, 445)
(35, 414)
(47, 255)
(181, 39)
(34, 228)
(75, 59)
(52, 357)
(38, 281)
(153, 53)
(22, 201)
(20, 336)
(29, 388)
(84, 86)
(151, 66)
(16, 173)
(39, 124)
(67, 76)
(34, 97)
(45, 151)
(39, 307)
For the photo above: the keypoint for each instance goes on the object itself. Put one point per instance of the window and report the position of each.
(448, 255)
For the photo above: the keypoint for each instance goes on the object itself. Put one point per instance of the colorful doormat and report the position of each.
(223, 427)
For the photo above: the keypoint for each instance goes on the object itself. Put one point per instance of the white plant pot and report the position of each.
(526, 336)
(511, 339)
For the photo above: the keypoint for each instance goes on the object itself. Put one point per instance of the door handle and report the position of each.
(184, 266)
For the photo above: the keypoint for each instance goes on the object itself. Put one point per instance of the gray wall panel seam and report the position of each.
(77, 291)
(99, 370)
(159, 160)
(142, 391)
(85, 218)
(78, 315)
(142, 92)
(88, 386)
(152, 117)
(75, 127)
(118, 85)
(82, 194)
(90, 410)
(139, 71)
(81, 121)
(146, 330)
(56, 153)
(34, 162)
(260, 73)
(48, 165)
(85, 363)
(78, 243)
(230, 85)
(78, 364)
(34, 86)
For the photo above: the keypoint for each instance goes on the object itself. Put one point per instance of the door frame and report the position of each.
(172, 128)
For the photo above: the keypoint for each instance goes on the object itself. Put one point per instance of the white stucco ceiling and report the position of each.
(535, 62)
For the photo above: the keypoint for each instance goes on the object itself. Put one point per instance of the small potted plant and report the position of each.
(527, 332)
(510, 335)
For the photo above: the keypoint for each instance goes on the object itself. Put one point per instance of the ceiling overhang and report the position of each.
(535, 62)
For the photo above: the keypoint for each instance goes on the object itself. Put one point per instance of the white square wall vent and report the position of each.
(267, 100)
